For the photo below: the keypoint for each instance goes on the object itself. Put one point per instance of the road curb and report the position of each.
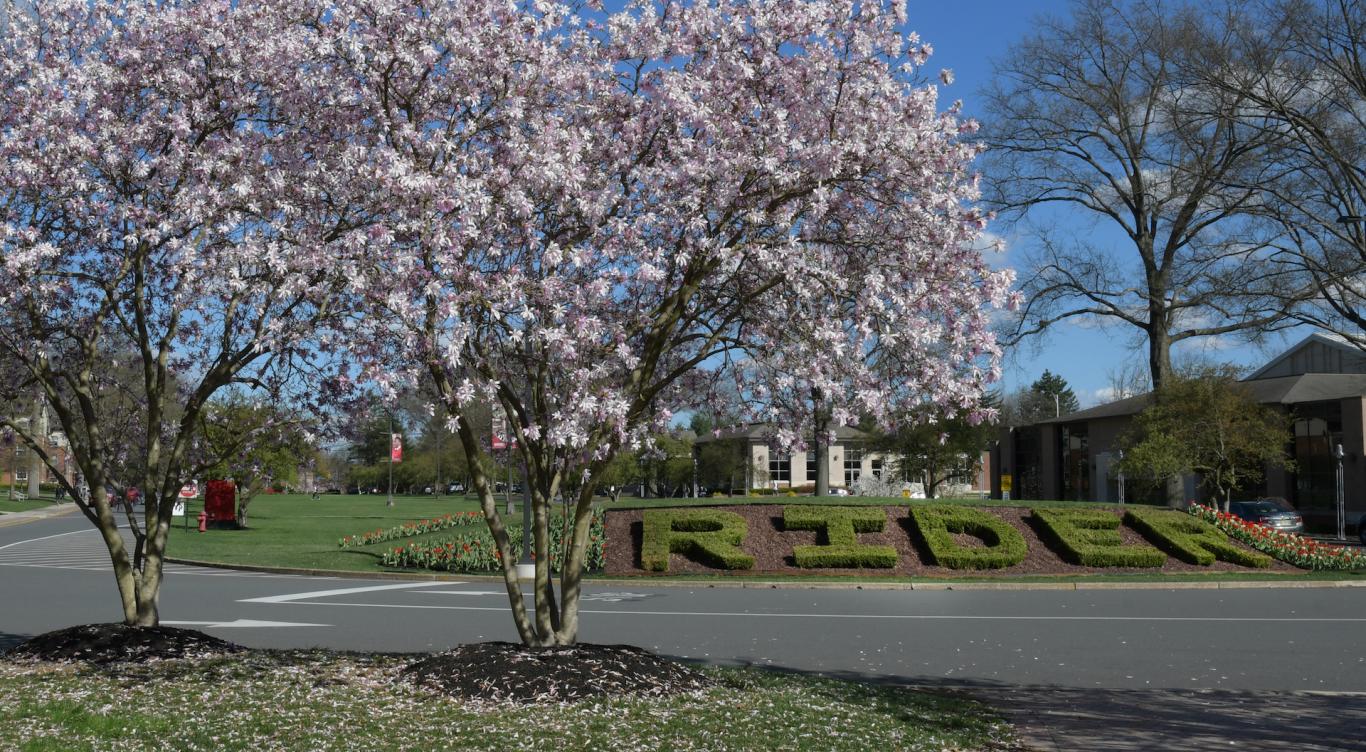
(793, 585)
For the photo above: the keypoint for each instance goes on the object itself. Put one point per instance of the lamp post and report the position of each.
(1342, 508)
(1121, 476)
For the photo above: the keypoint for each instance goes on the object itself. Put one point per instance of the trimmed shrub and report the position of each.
(1090, 537)
(840, 526)
(936, 524)
(1191, 539)
(707, 536)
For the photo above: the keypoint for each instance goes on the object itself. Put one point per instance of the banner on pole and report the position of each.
(500, 438)
(396, 447)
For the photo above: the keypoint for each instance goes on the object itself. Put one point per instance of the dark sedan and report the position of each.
(1270, 512)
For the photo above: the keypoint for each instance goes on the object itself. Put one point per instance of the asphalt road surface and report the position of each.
(1091, 644)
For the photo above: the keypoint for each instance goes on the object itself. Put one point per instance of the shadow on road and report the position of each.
(1054, 719)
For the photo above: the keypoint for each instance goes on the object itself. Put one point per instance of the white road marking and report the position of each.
(906, 617)
(241, 623)
(291, 597)
(45, 537)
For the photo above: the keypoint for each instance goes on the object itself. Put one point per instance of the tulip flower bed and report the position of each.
(412, 529)
(474, 551)
(1288, 547)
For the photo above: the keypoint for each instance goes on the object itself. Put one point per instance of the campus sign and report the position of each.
(1085, 537)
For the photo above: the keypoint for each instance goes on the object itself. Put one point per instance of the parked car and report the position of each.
(456, 488)
(1272, 513)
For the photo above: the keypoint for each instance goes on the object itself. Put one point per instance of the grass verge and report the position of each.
(332, 701)
(6, 505)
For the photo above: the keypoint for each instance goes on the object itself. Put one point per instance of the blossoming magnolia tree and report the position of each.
(158, 211)
(585, 214)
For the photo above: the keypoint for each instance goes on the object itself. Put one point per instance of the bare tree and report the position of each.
(1097, 115)
(1297, 66)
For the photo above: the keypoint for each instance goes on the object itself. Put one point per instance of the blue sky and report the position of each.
(967, 37)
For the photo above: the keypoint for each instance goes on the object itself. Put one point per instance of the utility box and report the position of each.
(220, 503)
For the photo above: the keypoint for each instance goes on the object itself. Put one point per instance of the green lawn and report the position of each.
(292, 530)
(21, 506)
(319, 700)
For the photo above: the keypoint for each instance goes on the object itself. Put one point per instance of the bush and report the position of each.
(1090, 537)
(1191, 539)
(936, 524)
(707, 536)
(840, 527)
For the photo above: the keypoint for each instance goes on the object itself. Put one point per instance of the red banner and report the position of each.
(500, 438)
(396, 447)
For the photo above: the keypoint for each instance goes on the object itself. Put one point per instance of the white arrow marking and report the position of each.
(241, 623)
(342, 591)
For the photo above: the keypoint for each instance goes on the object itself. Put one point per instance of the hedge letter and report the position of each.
(707, 536)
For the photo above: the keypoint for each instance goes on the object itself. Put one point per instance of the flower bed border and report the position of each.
(1290, 548)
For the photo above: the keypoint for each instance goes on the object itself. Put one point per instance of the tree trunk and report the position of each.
(37, 427)
(571, 577)
(821, 443)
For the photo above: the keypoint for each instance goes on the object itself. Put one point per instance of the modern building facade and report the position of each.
(851, 458)
(766, 467)
(1321, 381)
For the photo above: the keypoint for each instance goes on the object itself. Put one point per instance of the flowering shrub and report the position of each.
(411, 529)
(1291, 548)
(474, 551)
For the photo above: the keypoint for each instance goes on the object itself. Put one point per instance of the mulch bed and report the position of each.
(508, 672)
(771, 546)
(119, 643)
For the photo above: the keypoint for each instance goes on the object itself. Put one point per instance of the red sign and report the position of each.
(189, 490)
(396, 447)
(220, 501)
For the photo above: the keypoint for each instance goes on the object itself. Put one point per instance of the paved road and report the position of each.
(1018, 647)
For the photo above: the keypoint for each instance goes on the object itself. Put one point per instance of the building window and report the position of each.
(811, 467)
(21, 476)
(853, 465)
(877, 469)
(780, 467)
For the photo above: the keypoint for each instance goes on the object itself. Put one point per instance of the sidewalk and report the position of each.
(1107, 720)
(18, 518)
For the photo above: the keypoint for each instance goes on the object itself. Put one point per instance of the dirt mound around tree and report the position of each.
(507, 672)
(119, 643)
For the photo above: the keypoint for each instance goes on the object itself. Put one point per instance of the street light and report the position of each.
(1342, 508)
(1121, 476)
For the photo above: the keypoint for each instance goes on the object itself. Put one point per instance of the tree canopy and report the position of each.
(1207, 422)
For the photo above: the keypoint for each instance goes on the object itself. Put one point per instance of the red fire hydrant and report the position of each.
(203, 522)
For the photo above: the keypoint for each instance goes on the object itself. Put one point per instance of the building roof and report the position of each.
(762, 432)
(1285, 390)
(1318, 353)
